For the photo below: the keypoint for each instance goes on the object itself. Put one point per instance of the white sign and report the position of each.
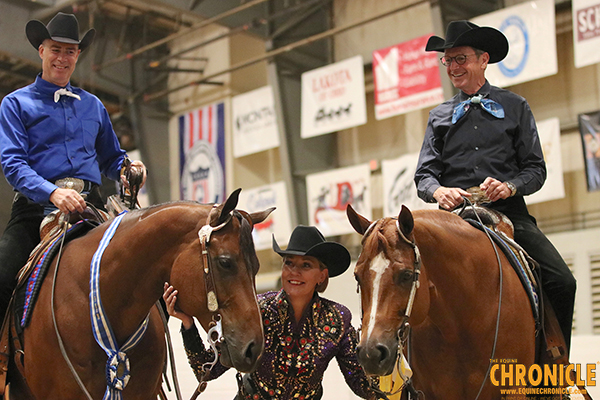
(586, 32)
(333, 98)
(278, 223)
(330, 192)
(399, 185)
(254, 122)
(531, 33)
(554, 187)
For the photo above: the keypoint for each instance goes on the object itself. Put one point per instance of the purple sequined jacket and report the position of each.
(296, 355)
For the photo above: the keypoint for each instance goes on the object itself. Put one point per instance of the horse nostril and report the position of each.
(251, 352)
(384, 352)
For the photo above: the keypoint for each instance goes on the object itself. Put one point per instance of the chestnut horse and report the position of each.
(455, 325)
(150, 247)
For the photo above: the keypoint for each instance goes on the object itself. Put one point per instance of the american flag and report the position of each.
(202, 154)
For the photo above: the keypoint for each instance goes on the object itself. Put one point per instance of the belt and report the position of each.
(79, 185)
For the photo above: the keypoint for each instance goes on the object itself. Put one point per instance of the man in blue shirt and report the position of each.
(50, 131)
(487, 137)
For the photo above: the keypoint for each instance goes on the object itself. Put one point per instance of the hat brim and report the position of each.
(37, 32)
(490, 40)
(333, 255)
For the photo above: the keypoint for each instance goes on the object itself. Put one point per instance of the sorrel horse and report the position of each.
(455, 321)
(150, 247)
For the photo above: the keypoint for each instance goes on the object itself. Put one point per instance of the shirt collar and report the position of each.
(484, 91)
(49, 88)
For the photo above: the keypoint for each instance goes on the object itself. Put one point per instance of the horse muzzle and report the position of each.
(244, 356)
(377, 358)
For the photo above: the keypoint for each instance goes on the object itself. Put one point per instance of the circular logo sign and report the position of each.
(202, 176)
(515, 30)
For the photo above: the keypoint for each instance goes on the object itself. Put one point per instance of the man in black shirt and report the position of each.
(486, 136)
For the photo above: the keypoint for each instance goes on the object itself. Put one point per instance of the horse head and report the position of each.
(227, 284)
(388, 274)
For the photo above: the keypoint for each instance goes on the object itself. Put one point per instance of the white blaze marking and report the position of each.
(378, 266)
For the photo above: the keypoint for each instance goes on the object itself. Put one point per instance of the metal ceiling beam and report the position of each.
(284, 49)
(179, 34)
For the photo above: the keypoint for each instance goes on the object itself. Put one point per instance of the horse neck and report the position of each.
(133, 271)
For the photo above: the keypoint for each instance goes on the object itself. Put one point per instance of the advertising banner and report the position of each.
(254, 122)
(333, 98)
(278, 223)
(531, 32)
(399, 185)
(589, 127)
(202, 154)
(330, 192)
(554, 187)
(406, 78)
(586, 32)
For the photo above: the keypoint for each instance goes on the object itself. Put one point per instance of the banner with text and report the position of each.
(399, 185)
(330, 192)
(254, 122)
(406, 78)
(333, 98)
(202, 154)
(278, 223)
(531, 32)
(589, 128)
(554, 187)
(586, 32)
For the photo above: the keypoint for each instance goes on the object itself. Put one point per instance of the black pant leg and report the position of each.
(19, 239)
(557, 280)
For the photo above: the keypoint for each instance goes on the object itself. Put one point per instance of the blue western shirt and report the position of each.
(480, 145)
(42, 141)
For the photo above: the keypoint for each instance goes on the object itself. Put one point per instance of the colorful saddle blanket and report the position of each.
(26, 295)
(517, 264)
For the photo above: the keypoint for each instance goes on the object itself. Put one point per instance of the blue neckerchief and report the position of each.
(488, 105)
(116, 379)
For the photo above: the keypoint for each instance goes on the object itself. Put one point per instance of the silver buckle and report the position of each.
(71, 183)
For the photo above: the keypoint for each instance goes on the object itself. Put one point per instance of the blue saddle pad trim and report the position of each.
(517, 266)
(38, 273)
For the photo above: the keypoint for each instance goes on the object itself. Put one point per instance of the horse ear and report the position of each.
(406, 221)
(229, 205)
(260, 216)
(358, 222)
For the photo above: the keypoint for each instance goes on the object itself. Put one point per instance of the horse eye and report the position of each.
(225, 262)
(405, 276)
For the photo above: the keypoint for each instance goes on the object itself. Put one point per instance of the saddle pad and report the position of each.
(517, 266)
(27, 294)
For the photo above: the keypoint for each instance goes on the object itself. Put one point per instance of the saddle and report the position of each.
(551, 345)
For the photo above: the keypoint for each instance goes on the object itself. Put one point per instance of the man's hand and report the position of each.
(137, 164)
(67, 200)
(450, 198)
(494, 189)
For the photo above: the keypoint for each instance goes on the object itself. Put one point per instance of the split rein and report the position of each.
(215, 332)
(404, 330)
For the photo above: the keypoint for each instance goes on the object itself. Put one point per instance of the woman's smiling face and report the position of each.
(300, 275)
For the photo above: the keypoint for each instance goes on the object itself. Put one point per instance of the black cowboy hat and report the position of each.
(63, 28)
(308, 241)
(465, 33)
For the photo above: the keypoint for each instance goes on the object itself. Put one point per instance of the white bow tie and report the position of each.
(64, 92)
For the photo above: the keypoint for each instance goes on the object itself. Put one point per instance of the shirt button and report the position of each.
(476, 148)
(475, 127)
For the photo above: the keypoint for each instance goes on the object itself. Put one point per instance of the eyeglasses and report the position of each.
(460, 59)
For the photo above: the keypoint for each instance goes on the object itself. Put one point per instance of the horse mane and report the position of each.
(377, 238)
(246, 241)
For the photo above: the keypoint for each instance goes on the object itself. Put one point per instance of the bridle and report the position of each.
(402, 334)
(215, 331)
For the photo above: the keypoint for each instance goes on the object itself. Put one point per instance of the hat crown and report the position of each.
(304, 237)
(64, 26)
(457, 28)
